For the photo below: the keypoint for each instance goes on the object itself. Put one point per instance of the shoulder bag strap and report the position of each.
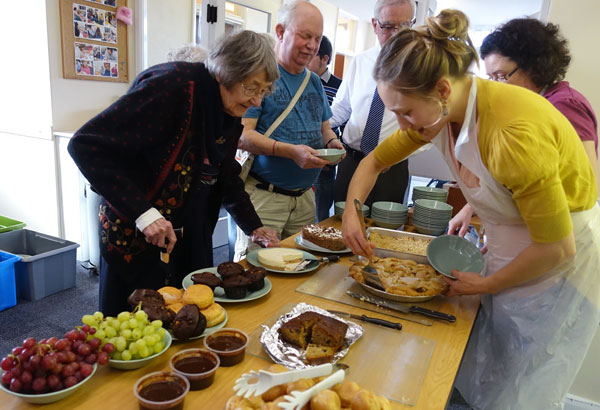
(290, 106)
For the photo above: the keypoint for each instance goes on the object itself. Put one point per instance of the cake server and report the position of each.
(374, 320)
(331, 258)
(369, 271)
(400, 307)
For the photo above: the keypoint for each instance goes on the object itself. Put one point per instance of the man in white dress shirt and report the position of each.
(357, 104)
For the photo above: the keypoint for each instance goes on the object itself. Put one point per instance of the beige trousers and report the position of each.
(286, 214)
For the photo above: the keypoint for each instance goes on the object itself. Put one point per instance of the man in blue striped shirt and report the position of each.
(331, 83)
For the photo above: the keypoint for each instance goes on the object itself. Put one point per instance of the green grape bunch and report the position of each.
(131, 333)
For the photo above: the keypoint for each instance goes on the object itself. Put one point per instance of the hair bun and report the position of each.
(449, 24)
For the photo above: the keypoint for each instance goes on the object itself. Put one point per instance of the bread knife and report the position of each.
(400, 307)
(374, 320)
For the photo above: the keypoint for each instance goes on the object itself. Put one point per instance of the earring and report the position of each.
(444, 107)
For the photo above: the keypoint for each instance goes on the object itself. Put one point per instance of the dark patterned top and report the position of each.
(149, 147)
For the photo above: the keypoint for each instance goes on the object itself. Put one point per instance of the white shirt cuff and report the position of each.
(147, 218)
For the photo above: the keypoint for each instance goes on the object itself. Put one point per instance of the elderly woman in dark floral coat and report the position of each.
(163, 159)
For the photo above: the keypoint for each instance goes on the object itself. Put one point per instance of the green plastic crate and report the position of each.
(8, 224)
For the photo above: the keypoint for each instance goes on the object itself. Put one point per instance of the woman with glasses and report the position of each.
(534, 55)
(163, 159)
(520, 165)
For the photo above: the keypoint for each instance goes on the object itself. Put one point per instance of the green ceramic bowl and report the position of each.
(137, 363)
(331, 154)
(46, 398)
(449, 252)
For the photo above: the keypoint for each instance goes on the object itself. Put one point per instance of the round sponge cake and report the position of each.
(199, 295)
(280, 258)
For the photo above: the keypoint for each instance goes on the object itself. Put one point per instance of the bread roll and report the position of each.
(325, 400)
(364, 400)
(346, 390)
(300, 385)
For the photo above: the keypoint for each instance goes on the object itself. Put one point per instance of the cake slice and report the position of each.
(317, 354)
(280, 258)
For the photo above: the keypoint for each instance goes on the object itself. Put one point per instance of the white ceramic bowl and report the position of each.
(331, 154)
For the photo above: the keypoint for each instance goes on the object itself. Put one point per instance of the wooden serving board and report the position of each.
(388, 362)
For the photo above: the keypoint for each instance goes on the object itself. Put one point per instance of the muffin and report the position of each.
(235, 286)
(206, 278)
(256, 274)
(227, 269)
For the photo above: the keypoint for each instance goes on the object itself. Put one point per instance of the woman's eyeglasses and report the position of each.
(389, 27)
(255, 92)
(503, 78)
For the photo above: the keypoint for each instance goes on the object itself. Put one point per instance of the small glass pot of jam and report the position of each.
(230, 344)
(197, 365)
(161, 391)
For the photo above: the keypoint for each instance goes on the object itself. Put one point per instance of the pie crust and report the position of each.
(403, 277)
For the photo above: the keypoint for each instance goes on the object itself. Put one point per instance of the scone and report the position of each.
(214, 314)
(171, 294)
(199, 295)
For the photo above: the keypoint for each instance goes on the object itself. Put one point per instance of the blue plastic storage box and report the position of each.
(8, 289)
(47, 264)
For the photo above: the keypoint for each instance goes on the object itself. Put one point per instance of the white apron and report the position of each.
(528, 342)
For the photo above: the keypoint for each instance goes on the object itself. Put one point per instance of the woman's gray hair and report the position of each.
(287, 12)
(382, 3)
(188, 52)
(240, 55)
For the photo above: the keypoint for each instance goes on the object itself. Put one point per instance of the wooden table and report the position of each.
(113, 389)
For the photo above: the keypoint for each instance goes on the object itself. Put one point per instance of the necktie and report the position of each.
(372, 129)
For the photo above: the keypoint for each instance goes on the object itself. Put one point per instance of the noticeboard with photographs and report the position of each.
(94, 43)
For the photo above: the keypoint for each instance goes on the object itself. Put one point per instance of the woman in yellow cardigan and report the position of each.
(522, 168)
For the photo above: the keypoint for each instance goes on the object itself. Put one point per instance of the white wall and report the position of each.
(74, 102)
(576, 20)
(169, 26)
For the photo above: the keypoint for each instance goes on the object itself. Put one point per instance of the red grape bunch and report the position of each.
(54, 364)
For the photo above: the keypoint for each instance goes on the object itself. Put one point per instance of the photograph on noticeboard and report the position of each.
(96, 61)
(111, 3)
(91, 23)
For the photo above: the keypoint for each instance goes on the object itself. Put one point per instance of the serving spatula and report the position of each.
(369, 271)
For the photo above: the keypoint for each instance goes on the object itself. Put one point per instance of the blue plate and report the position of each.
(449, 252)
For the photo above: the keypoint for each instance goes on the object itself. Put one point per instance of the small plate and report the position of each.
(207, 331)
(219, 293)
(252, 259)
(303, 243)
(394, 297)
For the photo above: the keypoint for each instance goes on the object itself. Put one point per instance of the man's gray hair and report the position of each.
(287, 12)
(188, 52)
(240, 55)
(382, 3)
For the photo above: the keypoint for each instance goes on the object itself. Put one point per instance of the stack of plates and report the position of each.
(390, 215)
(426, 192)
(338, 208)
(431, 217)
